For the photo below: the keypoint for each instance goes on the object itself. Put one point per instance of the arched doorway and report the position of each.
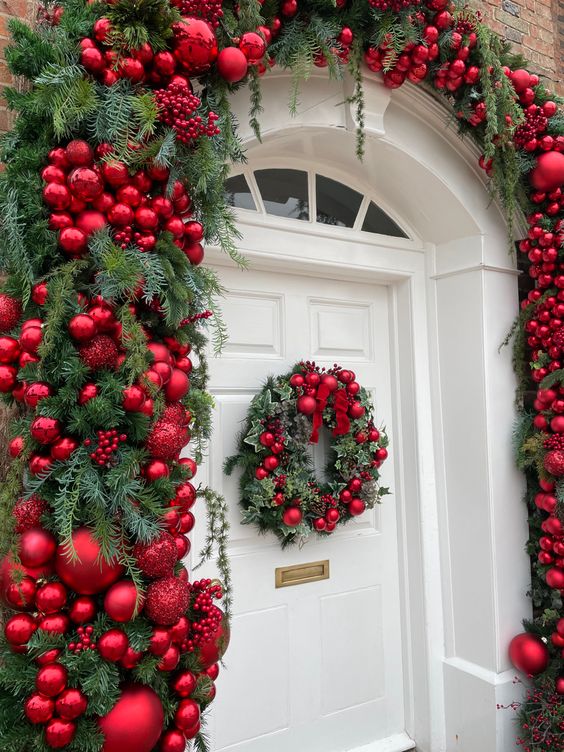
(419, 603)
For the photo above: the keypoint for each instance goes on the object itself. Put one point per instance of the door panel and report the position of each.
(316, 667)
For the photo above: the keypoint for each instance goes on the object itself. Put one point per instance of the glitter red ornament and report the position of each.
(166, 440)
(157, 558)
(99, 353)
(10, 312)
(166, 600)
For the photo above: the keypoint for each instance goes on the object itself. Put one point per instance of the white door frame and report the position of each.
(453, 298)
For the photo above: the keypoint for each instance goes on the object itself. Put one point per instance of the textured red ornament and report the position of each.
(157, 558)
(167, 440)
(554, 462)
(122, 601)
(83, 568)
(166, 600)
(528, 653)
(101, 352)
(10, 312)
(135, 723)
(28, 512)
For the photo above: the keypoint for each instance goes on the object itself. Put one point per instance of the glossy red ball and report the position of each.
(19, 628)
(232, 65)
(51, 680)
(39, 709)
(135, 723)
(528, 653)
(123, 601)
(187, 714)
(37, 547)
(82, 567)
(59, 733)
(82, 609)
(51, 597)
(112, 645)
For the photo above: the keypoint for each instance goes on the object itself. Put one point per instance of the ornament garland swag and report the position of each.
(113, 183)
(279, 490)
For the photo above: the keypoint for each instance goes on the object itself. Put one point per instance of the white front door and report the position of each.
(314, 667)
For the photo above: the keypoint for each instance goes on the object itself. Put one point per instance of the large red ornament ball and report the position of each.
(548, 175)
(71, 704)
(187, 714)
(177, 386)
(195, 45)
(157, 558)
(232, 64)
(554, 462)
(172, 741)
(100, 352)
(166, 600)
(85, 184)
(122, 601)
(10, 312)
(39, 709)
(213, 650)
(59, 733)
(528, 654)
(135, 723)
(82, 567)
(37, 547)
(51, 680)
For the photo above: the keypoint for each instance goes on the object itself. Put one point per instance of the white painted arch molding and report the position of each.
(463, 528)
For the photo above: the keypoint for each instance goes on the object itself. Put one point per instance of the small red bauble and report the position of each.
(195, 253)
(51, 679)
(253, 46)
(292, 516)
(8, 376)
(172, 741)
(549, 172)
(35, 392)
(356, 410)
(187, 715)
(73, 240)
(30, 339)
(19, 628)
(71, 704)
(37, 547)
(155, 470)
(85, 183)
(135, 723)
(528, 654)
(120, 215)
(554, 462)
(306, 405)
(559, 685)
(99, 353)
(177, 386)
(555, 578)
(122, 601)
(356, 507)
(232, 65)
(115, 173)
(83, 568)
(157, 558)
(45, 430)
(79, 153)
(131, 658)
(170, 659)
(10, 312)
(90, 221)
(184, 683)
(39, 709)
(195, 45)
(57, 196)
(59, 733)
(112, 645)
(9, 349)
(133, 398)
(88, 392)
(82, 610)
(58, 623)
(51, 597)
(166, 601)
(15, 447)
(63, 448)
(161, 640)
(21, 595)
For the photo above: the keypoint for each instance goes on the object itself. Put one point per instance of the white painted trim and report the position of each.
(396, 743)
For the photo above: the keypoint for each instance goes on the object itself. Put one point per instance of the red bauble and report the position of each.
(57, 196)
(115, 173)
(58, 623)
(45, 430)
(82, 567)
(20, 595)
(212, 651)
(9, 350)
(306, 405)
(51, 679)
(30, 339)
(19, 628)
(194, 253)
(15, 447)
(170, 659)
(35, 392)
(292, 516)
(356, 410)
(28, 512)
(155, 470)
(63, 448)
(187, 715)
(122, 601)
(85, 184)
(184, 683)
(79, 153)
(195, 45)
(555, 578)
(90, 221)
(356, 507)
(167, 600)
(554, 462)
(7, 378)
(179, 631)
(194, 231)
(82, 610)
(161, 640)
(88, 392)
(157, 558)
(131, 658)
(10, 312)
(37, 547)
(232, 65)
(549, 172)
(177, 386)
(135, 723)
(172, 741)
(101, 352)
(166, 440)
(133, 398)
(71, 704)
(51, 597)
(528, 654)
(253, 47)
(73, 241)
(559, 685)
(39, 709)
(59, 733)
(112, 645)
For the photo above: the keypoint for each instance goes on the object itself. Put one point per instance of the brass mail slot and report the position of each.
(299, 574)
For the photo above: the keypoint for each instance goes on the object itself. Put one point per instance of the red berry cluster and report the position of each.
(342, 50)
(108, 444)
(541, 720)
(210, 10)
(196, 317)
(206, 616)
(84, 641)
(396, 6)
(411, 64)
(526, 135)
(544, 238)
(177, 106)
(556, 441)
(86, 193)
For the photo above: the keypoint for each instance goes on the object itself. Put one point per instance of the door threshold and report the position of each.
(396, 743)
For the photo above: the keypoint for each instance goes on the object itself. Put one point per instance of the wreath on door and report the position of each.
(279, 489)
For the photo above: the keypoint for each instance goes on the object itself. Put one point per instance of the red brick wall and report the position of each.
(534, 27)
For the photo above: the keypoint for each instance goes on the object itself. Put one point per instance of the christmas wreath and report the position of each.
(279, 489)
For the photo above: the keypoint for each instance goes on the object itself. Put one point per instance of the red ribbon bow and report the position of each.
(341, 405)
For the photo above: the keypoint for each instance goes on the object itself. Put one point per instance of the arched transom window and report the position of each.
(309, 197)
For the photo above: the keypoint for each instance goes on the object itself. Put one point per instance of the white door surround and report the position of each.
(461, 526)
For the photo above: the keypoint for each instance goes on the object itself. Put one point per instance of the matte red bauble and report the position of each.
(195, 45)
(19, 628)
(86, 184)
(37, 547)
(187, 715)
(39, 709)
(306, 405)
(82, 610)
(112, 645)
(177, 386)
(51, 597)
(122, 601)
(157, 558)
(166, 600)
(90, 221)
(172, 741)
(71, 704)
(10, 312)
(292, 516)
(528, 654)
(99, 353)
(135, 723)
(549, 171)
(7, 378)
(59, 733)
(184, 683)
(83, 568)
(45, 430)
(50, 680)
(559, 685)
(232, 65)
(213, 650)
(131, 658)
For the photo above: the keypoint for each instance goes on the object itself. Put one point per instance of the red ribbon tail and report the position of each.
(323, 393)
(341, 409)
